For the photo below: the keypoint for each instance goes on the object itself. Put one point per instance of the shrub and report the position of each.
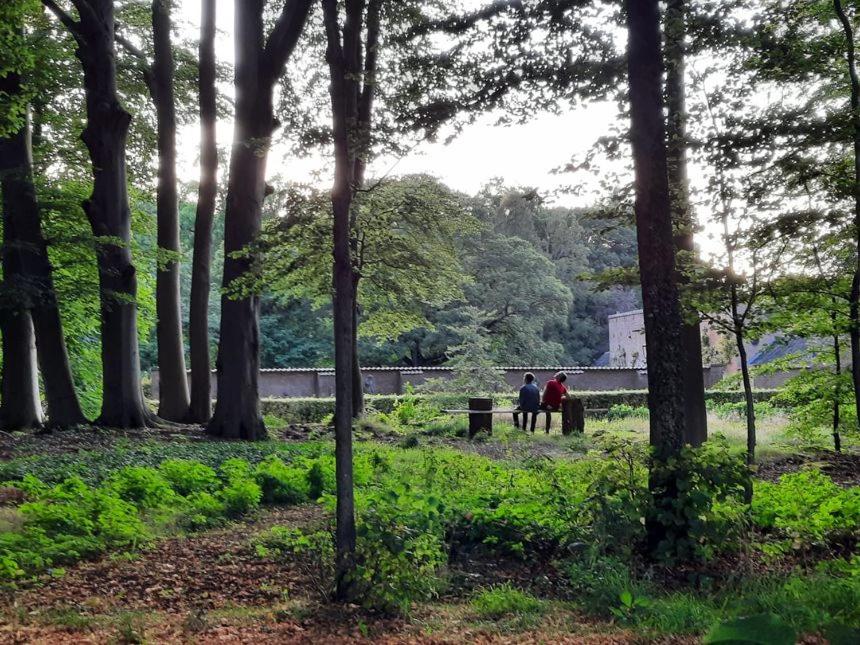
(504, 600)
(399, 550)
(598, 582)
(807, 506)
(144, 487)
(240, 496)
(202, 509)
(705, 513)
(280, 483)
(624, 411)
(187, 477)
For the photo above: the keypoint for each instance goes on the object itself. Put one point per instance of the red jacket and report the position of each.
(553, 393)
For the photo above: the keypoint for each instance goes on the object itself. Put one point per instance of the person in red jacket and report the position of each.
(553, 394)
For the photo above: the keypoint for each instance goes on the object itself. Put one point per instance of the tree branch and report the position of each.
(68, 22)
(282, 41)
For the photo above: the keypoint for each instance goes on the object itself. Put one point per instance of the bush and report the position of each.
(705, 514)
(807, 506)
(598, 582)
(241, 496)
(281, 484)
(142, 486)
(624, 411)
(504, 600)
(187, 477)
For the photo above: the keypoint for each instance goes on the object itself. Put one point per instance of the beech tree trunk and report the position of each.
(357, 381)
(854, 296)
(259, 63)
(198, 327)
(343, 55)
(20, 407)
(837, 389)
(23, 231)
(173, 391)
(108, 212)
(749, 402)
(658, 276)
(695, 412)
(23, 228)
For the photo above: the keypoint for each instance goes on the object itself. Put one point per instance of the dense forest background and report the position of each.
(529, 267)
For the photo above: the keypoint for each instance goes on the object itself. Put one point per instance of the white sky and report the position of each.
(521, 154)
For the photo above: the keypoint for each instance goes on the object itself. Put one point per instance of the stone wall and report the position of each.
(311, 382)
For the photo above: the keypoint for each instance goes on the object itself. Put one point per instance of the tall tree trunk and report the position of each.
(108, 212)
(854, 297)
(343, 58)
(357, 381)
(749, 402)
(837, 388)
(173, 386)
(23, 229)
(198, 327)
(21, 407)
(660, 300)
(695, 412)
(259, 63)
(24, 226)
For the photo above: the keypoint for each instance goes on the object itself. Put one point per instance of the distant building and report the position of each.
(627, 347)
(627, 339)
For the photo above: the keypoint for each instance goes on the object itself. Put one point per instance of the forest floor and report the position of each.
(213, 586)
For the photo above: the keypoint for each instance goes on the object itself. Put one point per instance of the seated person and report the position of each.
(553, 394)
(529, 401)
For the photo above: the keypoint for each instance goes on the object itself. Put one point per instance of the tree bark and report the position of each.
(660, 299)
(173, 391)
(23, 229)
(854, 296)
(837, 389)
(108, 212)
(749, 402)
(357, 381)
(343, 55)
(695, 413)
(21, 407)
(259, 63)
(198, 327)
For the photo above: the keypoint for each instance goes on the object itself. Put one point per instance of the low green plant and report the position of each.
(697, 499)
(625, 411)
(186, 476)
(281, 484)
(807, 507)
(504, 600)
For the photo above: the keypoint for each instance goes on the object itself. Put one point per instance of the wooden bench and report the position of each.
(481, 413)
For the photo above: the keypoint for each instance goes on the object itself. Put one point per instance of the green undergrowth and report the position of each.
(419, 507)
(820, 599)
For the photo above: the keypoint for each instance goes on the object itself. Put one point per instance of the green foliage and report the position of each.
(505, 600)
(761, 629)
(810, 397)
(142, 486)
(624, 411)
(701, 507)
(187, 477)
(281, 484)
(806, 507)
(598, 582)
(737, 409)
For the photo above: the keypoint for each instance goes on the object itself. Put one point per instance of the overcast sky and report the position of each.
(521, 154)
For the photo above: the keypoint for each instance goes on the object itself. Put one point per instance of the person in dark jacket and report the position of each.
(529, 401)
